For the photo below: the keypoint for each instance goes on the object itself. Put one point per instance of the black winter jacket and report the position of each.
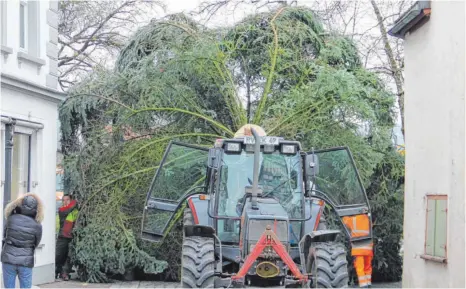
(23, 231)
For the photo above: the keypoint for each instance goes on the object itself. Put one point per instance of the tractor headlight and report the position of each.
(288, 149)
(251, 247)
(232, 147)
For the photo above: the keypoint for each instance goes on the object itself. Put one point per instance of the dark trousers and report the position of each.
(62, 265)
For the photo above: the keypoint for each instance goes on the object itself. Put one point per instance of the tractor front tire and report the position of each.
(328, 265)
(198, 262)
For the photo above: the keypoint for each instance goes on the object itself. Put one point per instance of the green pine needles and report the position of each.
(178, 80)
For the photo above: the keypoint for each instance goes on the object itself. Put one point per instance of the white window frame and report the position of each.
(25, 25)
(33, 165)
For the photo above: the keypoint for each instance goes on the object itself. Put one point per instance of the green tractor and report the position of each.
(253, 212)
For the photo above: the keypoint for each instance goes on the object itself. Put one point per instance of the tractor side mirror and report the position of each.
(312, 165)
(214, 158)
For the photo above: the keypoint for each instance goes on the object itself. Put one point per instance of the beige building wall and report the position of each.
(435, 142)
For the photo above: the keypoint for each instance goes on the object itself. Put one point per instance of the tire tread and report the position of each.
(331, 265)
(198, 258)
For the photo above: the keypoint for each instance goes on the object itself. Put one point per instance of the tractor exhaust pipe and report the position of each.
(255, 182)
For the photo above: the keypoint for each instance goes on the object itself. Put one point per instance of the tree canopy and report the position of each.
(178, 80)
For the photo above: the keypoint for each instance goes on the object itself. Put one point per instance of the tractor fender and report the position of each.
(315, 237)
(199, 231)
(323, 235)
(199, 225)
(199, 209)
(314, 209)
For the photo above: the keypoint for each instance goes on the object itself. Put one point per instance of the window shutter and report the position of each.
(440, 229)
(430, 227)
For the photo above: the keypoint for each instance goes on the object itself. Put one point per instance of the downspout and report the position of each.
(9, 132)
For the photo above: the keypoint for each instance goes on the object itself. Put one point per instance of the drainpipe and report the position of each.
(9, 132)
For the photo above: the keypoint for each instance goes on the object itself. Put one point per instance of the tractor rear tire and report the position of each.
(198, 262)
(328, 265)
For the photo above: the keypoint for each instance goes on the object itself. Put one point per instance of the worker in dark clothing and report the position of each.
(21, 236)
(65, 222)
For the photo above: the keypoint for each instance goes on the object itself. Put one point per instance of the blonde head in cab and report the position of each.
(245, 130)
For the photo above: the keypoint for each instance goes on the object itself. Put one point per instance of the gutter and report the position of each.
(419, 12)
(21, 122)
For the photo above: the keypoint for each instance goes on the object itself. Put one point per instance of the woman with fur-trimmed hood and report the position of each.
(21, 236)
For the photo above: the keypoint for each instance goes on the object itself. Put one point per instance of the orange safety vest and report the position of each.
(359, 226)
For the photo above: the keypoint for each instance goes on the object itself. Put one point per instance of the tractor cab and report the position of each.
(250, 186)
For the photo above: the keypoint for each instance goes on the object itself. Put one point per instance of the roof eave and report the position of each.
(417, 12)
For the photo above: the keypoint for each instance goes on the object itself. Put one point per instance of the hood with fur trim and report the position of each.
(19, 202)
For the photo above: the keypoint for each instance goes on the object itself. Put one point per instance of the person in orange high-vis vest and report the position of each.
(362, 250)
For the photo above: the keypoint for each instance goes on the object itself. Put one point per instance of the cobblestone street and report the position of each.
(156, 284)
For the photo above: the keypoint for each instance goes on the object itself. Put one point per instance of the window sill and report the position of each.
(434, 259)
(6, 50)
(27, 57)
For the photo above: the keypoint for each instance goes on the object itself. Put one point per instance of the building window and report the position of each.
(33, 28)
(23, 25)
(435, 247)
(3, 5)
(29, 27)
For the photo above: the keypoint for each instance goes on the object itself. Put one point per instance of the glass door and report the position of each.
(20, 175)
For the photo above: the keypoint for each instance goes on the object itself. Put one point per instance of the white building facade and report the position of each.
(435, 117)
(28, 106)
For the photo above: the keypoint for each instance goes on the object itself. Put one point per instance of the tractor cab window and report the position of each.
(338, 178)
(280, 178)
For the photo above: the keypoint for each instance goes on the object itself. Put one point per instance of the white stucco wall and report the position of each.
(435, 142)
(23, 106)
(42, 68)
(29, 92)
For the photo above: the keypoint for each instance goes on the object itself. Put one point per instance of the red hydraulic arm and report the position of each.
(267, 239)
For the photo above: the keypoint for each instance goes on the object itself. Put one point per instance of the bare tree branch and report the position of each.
(396, 72)
(92, 31)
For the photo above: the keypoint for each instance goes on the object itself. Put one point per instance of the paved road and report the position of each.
(142, 284)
